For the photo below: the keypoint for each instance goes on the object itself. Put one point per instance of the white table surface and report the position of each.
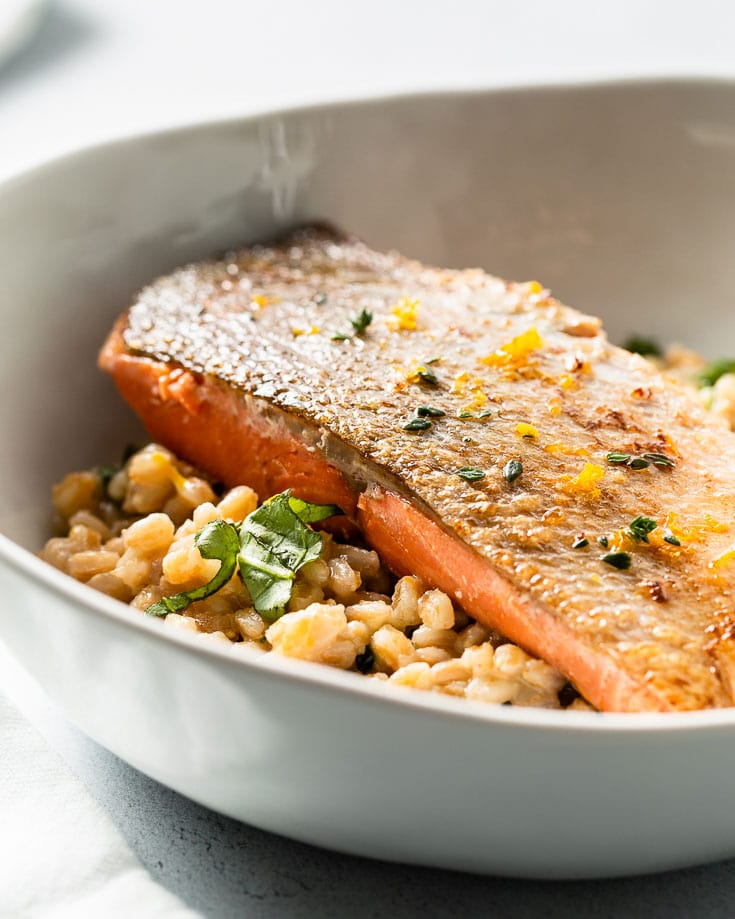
(98, 69)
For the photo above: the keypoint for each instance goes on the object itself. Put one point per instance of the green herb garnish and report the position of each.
(486, 413)
(671, 539)
(466, 415)
(275, 542)
(320, 299)
(658, 459)
(364, 662)
(361, 321)
(219, 540)
(640, 527)
(645, 346)
(581, 542)
(713, 371)
(417, 424)
(428, 411)
(512, 469)
(428, 376)
(640, 462)
(603, 541)
(269, 547)
(471, 473)
(433, 360)
(619, 560)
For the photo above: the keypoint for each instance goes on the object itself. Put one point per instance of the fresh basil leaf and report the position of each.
(219, 540)
(647, 347)
(712, 372)
(311, 513)
(275, 543)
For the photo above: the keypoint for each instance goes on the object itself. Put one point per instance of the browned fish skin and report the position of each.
(263, 320)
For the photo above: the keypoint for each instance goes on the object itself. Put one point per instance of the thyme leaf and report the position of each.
(640, 527)
(471, 473)
(428, 376)
(512, 469)
(417, 424)
(659, 459)
(619, 560)
(361, 321)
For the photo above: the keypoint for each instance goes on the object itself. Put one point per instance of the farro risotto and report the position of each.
(130, 531)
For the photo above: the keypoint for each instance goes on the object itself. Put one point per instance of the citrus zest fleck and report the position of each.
(516, 350)
(585, 483)
(526, 430)
(404, 315)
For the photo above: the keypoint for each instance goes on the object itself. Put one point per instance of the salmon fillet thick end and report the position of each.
(258, 369)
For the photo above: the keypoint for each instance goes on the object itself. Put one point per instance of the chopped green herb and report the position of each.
(359, 324)
(485, 414)
(581, 542)
(639, 462)
(512, 469)
(106, 474)
(269, 547)
(433, 360)
(428, 411)
(671, 539)
(364, 662)
(658, 459)
(603, 541)
(320, 299)
(640, 527)
(130, 450)
(620, 560)
(468, 440)
(645, 346)
(428, 376)
(712, 372)
(471, 473)
(219, 540)
(417, 424)
(361, 321)
(466, 415)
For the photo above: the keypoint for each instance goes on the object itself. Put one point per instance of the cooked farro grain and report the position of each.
(130, 534)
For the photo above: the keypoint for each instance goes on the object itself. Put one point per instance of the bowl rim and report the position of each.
(675, 78)
(350, 684)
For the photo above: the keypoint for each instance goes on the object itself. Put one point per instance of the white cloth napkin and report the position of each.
(61, 857)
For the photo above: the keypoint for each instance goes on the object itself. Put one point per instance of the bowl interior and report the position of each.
(617, 197)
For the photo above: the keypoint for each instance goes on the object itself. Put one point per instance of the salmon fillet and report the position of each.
(467, 426)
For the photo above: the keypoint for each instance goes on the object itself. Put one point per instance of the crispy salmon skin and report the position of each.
(484, 436)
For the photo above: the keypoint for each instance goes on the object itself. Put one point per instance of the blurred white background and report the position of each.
(96, 69)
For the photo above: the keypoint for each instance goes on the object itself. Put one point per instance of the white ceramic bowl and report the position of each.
(619, 197)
